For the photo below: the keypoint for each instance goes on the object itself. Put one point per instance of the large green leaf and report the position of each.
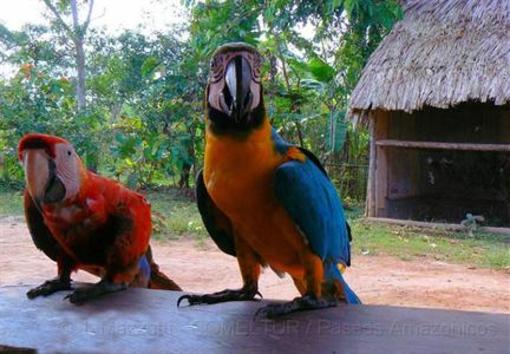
(337, 131)
(310, 84)
(321, 70)
(149, 65)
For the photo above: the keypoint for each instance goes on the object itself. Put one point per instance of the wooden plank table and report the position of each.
(148, 321)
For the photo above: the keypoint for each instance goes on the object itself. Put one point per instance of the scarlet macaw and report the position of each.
(84, 221)
(263, 200)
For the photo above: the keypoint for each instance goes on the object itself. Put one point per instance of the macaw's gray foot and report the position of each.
(243, 294)
(49, 287)
(82, 295)
(305, 303)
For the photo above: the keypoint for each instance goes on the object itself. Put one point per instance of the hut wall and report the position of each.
(466, 123)
(442, 185)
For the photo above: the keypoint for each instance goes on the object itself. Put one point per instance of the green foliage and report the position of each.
(176, 215)
(11, 202)
(320, 70)
(471, 222)
(144, 118)
(337, 131)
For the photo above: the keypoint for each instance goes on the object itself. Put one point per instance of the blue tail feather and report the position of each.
(145, 268)
(333, 273)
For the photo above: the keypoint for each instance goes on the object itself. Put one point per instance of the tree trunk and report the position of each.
(79, 34)
(299, 133)
(184, 178)
(76, 33)
(80, 68)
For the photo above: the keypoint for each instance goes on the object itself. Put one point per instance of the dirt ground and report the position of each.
(377, 279)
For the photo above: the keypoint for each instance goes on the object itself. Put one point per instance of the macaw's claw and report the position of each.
(82, 295)
(49, 287)
(222, 296)
(305, 303)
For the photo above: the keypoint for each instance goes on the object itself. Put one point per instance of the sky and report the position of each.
(115, 15)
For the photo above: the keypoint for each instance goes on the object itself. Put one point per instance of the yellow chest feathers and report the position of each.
(238, 172)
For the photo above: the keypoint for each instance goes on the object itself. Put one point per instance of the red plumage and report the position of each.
(99, 226)
(106, 224)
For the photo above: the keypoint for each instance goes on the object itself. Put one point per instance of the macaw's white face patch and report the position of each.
(226, 78)
(220, 61)
(68, 169)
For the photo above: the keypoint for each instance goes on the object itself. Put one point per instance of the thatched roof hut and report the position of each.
(442, 53)
(436, 93)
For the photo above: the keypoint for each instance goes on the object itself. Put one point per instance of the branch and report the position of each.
(87, 21)
(284, 67)
(59, 18)
(74, 13)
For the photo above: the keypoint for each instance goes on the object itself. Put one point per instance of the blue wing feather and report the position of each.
(312, 202)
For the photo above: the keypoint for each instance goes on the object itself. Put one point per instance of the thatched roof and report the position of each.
(442, 53)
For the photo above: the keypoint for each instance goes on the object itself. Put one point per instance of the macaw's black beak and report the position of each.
(237, 95)
(55, 189)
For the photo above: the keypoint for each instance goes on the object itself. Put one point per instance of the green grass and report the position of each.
(11, 203)
(176, 215)
(409, 243)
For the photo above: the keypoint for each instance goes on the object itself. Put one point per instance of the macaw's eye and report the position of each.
(216, 61)
(68, 152)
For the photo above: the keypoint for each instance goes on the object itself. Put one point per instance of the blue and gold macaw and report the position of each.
(263, 200)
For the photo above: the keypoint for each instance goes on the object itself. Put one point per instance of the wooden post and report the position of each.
(380, 177)
(370, 203)
(381, 181)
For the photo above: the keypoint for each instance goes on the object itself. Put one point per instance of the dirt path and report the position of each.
(376, 279)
